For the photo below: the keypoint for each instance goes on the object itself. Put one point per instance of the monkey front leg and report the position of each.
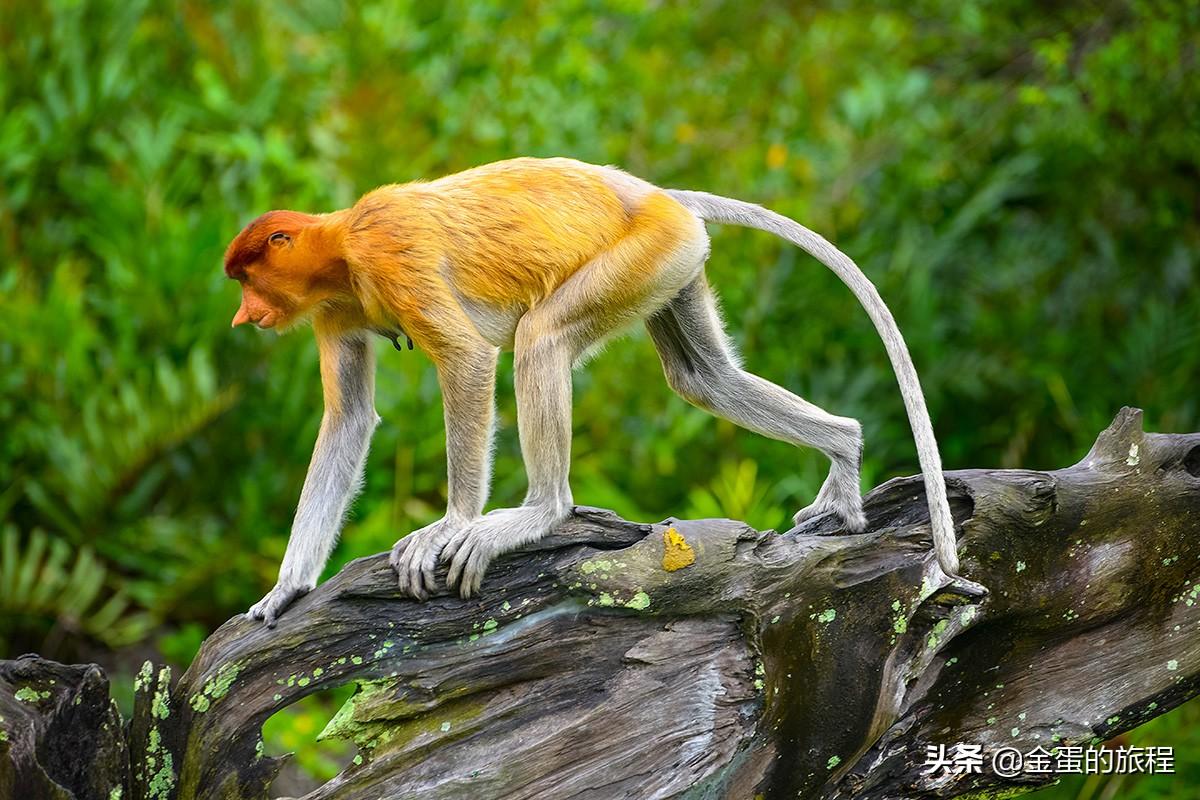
(468, 382)
(334, 474)
(542, 375)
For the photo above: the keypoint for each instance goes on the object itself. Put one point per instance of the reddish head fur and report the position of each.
(283, 280)
(250, 245)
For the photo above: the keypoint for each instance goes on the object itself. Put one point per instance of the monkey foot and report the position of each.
(277, 600)
(853, 520)
(415, 556)
(501, 531)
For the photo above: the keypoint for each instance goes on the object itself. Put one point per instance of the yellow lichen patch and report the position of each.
(677, 553)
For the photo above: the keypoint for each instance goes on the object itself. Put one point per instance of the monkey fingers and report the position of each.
(470, 551)
(468, 565)
(276, 601)
(415, 557)
(454, 545)
(414, 562)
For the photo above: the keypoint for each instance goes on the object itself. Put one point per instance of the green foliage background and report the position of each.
(1020, 179)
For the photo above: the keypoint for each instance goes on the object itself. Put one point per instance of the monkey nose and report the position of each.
(242, 316)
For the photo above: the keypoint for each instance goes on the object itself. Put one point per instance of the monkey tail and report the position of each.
(714, 208)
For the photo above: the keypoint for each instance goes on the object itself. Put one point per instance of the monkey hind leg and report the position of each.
(663, 250)
(701, 366)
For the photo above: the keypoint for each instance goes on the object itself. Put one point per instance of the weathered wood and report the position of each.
(707, 659)
(60, 733)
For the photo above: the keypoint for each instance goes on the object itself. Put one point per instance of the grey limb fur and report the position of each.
(714, 208)
(334, 475)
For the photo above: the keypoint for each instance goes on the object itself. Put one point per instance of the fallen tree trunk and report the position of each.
(691, 658)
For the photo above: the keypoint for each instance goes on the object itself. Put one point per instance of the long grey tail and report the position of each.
(714, 208)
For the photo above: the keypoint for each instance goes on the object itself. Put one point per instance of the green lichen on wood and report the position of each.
(162, 692)
(27, 694)
(347, 723)
(639, 602)
(935, 634)
(163, 781)
(159, 762)
(601, 564)
(375, 717)
(144, 676)
(218, 686)
(387, 645)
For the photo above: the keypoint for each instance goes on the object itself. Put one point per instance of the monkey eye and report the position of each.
(279, 239)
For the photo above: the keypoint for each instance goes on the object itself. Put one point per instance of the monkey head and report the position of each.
(288, 264)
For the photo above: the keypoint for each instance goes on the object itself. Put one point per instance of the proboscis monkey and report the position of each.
(546, 258)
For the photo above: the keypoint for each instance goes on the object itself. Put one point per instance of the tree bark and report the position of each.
(691, 658)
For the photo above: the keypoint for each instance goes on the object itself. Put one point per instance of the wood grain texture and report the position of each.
(808, 664)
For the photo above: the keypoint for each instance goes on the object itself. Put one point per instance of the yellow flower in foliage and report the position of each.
(776, 156)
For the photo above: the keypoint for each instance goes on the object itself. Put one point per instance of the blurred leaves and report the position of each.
(736, 493)
(55, 594)
(1020, 180)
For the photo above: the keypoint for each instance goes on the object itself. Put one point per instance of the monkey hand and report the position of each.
(472, 549)
(415, 556)
(276, 600)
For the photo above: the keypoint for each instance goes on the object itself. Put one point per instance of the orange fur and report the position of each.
(283, 283)
(502, 236)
